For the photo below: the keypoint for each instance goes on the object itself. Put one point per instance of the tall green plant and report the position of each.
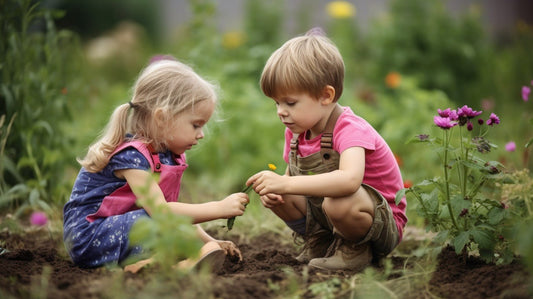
(36, 73)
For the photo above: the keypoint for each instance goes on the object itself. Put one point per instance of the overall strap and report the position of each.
(155, 158)
(326, 141)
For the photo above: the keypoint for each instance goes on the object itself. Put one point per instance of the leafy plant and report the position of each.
(36, 74)
(166, 236)
(456, 206)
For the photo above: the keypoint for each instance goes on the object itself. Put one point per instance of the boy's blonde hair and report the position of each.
(304, 64)
(166, 85)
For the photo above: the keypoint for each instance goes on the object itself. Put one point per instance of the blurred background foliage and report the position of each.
(67, 64)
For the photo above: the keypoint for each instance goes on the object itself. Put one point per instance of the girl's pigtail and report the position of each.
(99, 152)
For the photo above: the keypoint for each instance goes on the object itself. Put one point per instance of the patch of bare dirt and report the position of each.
(266, 261)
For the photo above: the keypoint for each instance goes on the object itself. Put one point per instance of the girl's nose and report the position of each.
(200, 134)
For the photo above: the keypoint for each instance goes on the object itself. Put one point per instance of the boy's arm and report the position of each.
(346, 180)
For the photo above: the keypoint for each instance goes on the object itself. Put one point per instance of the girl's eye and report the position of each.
(291, 103)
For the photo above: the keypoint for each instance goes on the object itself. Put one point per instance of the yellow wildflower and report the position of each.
(232, 40)
(272, 166)
(341, 9)
(393, 79)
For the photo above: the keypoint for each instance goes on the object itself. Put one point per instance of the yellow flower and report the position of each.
(393, 79)
(341, 9)
(272, 166)
(232, 40)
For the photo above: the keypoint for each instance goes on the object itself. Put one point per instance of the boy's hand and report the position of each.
(265, 182)
(271, 200)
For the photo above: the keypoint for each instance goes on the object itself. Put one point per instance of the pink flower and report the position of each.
(493, 119)
(38, 218)
(467, 112)
(510, 146)
(444, 122)
(525, 93)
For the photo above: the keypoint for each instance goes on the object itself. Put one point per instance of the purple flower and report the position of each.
(444, 122)
(525, 93)
(38, 218)
(480, 121)
(510, 146)
(469, 126)
(452, 114)
(444, 113)
(493, 119)
(423, 137)
(467, 112)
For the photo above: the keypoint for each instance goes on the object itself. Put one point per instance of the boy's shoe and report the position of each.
(344, 255)
(316, 245)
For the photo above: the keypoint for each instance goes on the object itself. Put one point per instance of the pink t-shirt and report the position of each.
(381, 169)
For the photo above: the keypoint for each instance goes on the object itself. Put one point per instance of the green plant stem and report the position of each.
(446, 178)
(231, 220)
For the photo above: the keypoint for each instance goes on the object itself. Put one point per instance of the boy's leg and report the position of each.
(294, 208)
(296, 214)
(363, 227)
(351, 216)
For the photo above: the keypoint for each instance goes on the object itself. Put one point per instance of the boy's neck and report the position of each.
(328, 125)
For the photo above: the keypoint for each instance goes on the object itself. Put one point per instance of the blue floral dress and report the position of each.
(101, 209)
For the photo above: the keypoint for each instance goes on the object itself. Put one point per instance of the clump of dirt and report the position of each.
(34, 254)
(456, 277)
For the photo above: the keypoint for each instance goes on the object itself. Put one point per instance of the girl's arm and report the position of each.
(146, 189)
(344, 181)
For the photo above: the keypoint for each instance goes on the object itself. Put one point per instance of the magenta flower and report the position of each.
(525, 93)
(469, 126)
(493, 119)
(467, 112)
(38, 218)
(444, 122)
(444, 113)
(510, 146)
(480, 121)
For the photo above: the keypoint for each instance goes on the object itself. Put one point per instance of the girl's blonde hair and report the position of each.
(166, 85)
(304, 64)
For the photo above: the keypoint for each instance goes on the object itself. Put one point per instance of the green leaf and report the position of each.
(460, 241)
(400, 195)
(483, 238)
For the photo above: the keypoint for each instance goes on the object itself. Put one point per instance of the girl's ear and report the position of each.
(159, 117)
(328, 95)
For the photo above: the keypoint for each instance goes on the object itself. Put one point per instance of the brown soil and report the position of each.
(33, 253)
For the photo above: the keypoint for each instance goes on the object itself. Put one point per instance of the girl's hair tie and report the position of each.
(132, 105)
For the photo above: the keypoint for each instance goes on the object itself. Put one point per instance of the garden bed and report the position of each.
(36, 264)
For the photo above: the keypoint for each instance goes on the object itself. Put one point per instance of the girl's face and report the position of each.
(187, 128)
(300, 112)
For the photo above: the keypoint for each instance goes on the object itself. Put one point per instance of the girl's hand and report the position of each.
(230, 248)
(265, 182)
(271, 200)
(234, 205)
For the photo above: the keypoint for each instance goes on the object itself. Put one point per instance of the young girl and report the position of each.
(150, 134)
(339, 188)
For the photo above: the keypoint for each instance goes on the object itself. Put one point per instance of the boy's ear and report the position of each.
(328, 95)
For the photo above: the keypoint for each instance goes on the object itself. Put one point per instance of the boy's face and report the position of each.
(300, 112)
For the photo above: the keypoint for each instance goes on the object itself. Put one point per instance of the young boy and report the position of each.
(339, 188)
